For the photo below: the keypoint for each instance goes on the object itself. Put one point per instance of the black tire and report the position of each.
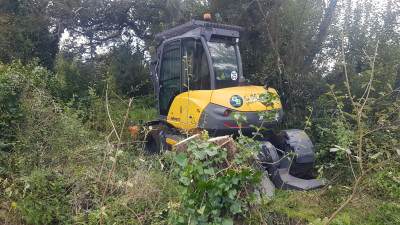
(152, 143)
(299, 170)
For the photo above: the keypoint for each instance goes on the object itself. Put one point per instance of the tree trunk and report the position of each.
(323, 31)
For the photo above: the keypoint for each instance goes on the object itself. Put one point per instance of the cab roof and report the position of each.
(203, 28)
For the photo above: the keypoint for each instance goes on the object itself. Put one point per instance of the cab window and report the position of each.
(169, 76)
(225, 64)
(195, 70)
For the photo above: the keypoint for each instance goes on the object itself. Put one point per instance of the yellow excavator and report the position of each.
(198, 82)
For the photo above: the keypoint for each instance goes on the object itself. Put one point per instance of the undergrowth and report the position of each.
(55, 158)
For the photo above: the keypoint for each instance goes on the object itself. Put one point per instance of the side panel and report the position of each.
(246, 98)
(187, 108)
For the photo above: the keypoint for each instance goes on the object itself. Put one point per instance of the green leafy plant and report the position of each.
(44, 199)
(216, 183)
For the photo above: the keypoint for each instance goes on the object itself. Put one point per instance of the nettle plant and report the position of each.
(219, 181)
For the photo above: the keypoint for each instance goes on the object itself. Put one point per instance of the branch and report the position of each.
(115, 161)
(109, 116)
(274, 45)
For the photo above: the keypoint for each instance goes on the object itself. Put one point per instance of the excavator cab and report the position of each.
(198, 83)
(205, 58)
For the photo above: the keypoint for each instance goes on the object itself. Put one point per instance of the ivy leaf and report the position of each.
(232, 194)
(182, 159)
(211, 152)
(227, 221)
(235, 180)
(236, 207)
(209, 171)
(207, 163)
(224, 154)
(191, 201)
(201, 185)
(200, 154)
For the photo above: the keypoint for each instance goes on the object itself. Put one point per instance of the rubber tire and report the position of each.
(299, 170)
(152, 143)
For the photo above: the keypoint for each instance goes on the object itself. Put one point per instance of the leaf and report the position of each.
(227, 221)
(337, 148)
(230, 172)
(339, 64)
(211, 152)
(200, 154)
(232, 194)
(209, 171)
(182, 159)
(201, 210)
(398, 151)
(256, 180)
(185, 181)
(390, 86)
(235, 180)
(201, 185)
(79, 170)
(236, 207)
(375, 155)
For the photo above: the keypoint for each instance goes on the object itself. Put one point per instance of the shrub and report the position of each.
(45, 198)
(216, 183)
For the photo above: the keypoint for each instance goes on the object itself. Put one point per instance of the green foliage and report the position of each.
(215, 185)
(52, 121)
(130, 71)
(386, 183)
(45, 198)
(10, 112)
(25, 33)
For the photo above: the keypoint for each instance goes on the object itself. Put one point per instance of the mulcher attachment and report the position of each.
(288, 158)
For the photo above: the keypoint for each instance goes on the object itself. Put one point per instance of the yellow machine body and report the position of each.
(187, 108)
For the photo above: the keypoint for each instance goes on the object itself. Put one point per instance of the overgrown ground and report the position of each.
(56, 159)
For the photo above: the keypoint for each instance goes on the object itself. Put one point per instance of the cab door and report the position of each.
(170, 74)
(195, 69)
(196, 85)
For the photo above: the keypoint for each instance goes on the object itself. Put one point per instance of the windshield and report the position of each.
(225, 64)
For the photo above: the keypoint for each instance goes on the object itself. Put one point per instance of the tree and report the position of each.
(25, 33)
